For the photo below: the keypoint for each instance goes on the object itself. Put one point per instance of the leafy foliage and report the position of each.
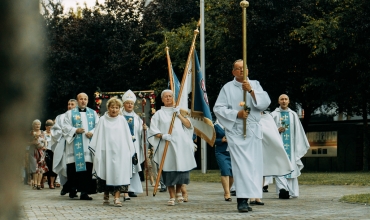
(92, 48)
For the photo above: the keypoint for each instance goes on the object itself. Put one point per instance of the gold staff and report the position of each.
(244, 5)
(196, 32)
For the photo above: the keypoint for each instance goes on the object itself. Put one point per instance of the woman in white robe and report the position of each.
(179, 158)
(113, 149)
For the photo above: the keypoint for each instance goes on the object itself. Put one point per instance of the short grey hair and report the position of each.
(73, 100)
(166, 90)
(36, 121)
(238, 60)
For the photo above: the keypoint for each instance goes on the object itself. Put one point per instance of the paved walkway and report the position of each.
(205, 202)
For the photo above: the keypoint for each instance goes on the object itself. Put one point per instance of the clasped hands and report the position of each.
(81, 130)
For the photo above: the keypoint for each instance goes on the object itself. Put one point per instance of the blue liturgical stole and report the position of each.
(285, 122)
(77, 142)
(130, 122)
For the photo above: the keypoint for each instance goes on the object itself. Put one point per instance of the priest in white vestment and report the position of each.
(58, 147)
(113, 148)
(296, 146)
(246, 153)
(179, 159)
(78, 129)
(136, 128)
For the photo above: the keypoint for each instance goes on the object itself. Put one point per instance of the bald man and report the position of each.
(78, 127)
(295, 144)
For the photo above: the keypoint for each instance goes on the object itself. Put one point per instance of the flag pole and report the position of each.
(196, 32)
(169, 64)
(143, 103)
(244, 5)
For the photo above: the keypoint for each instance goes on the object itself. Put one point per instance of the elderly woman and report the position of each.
(113, 149)
(49, 154)
(37, 149)
(179, 159)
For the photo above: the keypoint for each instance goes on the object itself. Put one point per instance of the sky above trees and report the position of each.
(73, 3)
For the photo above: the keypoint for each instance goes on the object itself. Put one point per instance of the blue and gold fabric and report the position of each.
(77, 142)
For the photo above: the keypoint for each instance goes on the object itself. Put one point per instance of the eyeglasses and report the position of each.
(239, 68)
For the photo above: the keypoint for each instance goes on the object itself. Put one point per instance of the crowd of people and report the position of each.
(86, 153)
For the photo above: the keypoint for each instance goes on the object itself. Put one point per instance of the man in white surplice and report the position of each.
(295, 145)
(246, 153)
(58, 147)
(136, 127)
(79, 134)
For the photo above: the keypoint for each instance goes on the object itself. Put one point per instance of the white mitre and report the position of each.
(129, 96)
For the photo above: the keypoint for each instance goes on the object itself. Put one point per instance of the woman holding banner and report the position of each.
(180, 159)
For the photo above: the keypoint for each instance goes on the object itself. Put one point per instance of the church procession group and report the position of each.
(108, 150)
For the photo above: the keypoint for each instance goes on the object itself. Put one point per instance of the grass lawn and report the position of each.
(350, 178)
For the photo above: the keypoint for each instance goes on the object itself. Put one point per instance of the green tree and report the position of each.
(92, 48)
(340, 34)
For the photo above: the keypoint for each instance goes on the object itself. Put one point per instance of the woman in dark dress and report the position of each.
(223, 160)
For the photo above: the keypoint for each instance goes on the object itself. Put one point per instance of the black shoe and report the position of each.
(163, 190)
(72, 195)
(132, 194)
(258, 203)
(233, 193)
(85, 197)
(264, 189)
(62, 192)
(243, 206)
(283, 194)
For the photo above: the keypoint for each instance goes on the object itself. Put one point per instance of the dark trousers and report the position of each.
(79, 180)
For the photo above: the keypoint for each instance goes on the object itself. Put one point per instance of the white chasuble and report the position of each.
(69, 133)
(113, 149)
(179, 155)
(299, 143)
(246, 153)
